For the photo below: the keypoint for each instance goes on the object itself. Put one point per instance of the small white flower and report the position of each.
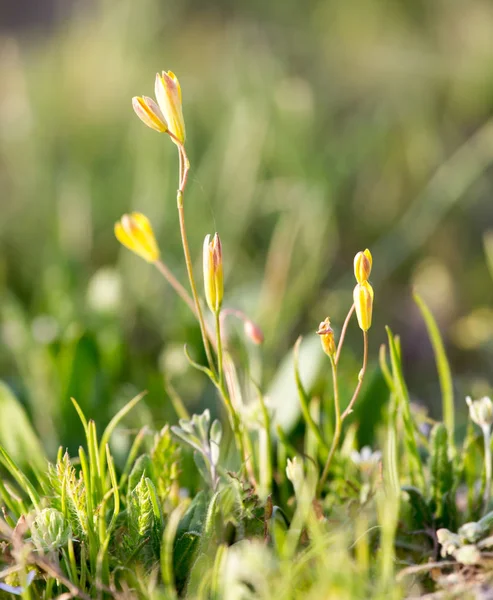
(366, 460)
(481, 411)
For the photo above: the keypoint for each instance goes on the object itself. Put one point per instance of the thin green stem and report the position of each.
(343, 333)
(176, 285)
(184, 168)
(219, 346)
(339, 419)
(337, 428)
(266, 446)
(487, 467)
(361, 375)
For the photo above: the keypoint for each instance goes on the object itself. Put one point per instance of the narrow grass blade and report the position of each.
(402, 394)
(167, 545)
(105, 438)
(443, 368)
(304, 398)
(19, 476)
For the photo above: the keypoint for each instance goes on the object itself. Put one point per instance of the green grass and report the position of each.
(92, 530)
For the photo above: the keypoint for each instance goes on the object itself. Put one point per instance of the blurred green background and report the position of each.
(315, 129)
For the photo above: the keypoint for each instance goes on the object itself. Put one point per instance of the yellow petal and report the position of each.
(135, 232)
(168, 96)
(123, 237)
(149, 113)
(363, 303)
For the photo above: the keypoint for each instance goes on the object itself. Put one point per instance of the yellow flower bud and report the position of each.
(362, 266)
(149, 113)
(135, 232)
(213, 272)
(326, 334)
(168, 96)
(363, 303)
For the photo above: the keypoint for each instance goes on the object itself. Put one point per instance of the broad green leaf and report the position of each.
(17, 435)
(283, 395)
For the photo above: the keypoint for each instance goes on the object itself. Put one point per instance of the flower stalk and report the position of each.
(363, 306)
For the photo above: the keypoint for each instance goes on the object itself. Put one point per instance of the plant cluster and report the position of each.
(271, 514)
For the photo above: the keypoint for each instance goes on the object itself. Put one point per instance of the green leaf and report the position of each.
(164, 457)
(420, 511)
(143, 524)
(20, 477)
(17, 435)
(188, 538)
(283, 396)
(443, 368)
(278, 527)
(167, 554)
(441, 475)
(69, 495)
(141, 468)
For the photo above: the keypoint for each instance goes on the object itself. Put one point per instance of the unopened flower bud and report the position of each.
(362, 266)
(481, 411)
(471, 532)
(363, 303)
(135, 233)
(49, 530)
(468, 555)
(326, 334)
(149, 113)
(213, 272)
(295, 473)
(168, 96)
(253, 332)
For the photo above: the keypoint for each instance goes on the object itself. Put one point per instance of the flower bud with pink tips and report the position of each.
(213, 272)
(168, 96)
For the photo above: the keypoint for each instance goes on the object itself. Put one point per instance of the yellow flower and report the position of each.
(326, 334)
(213, 272)
(168, 96)
(135, 232)
(363, 303)
(362, 266)
(149, 113)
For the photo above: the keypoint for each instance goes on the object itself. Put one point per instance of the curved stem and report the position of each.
(337, 429)
(361, 375)
(343, 333)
